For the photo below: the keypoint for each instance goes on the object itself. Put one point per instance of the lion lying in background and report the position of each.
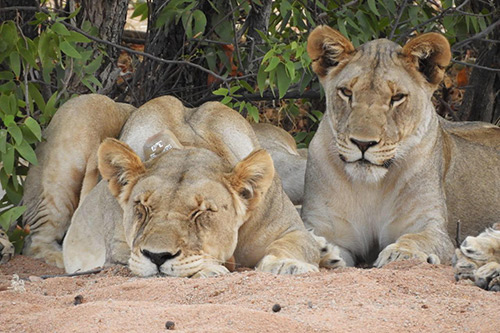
(478, 259)
(213, 195)
(387, 178)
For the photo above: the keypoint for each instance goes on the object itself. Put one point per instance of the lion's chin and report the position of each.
(364, 171)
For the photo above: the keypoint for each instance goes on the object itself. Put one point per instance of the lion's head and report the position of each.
(378, 95)
(182, 209)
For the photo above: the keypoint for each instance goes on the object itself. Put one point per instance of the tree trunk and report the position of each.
(482, 100)
(258, 19)
(109, 17)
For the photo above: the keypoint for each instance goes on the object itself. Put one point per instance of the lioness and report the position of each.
(66, 170)
(186, 211)
(478, 259)
(387, 178)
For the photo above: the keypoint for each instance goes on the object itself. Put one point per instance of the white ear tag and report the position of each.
(159, 143)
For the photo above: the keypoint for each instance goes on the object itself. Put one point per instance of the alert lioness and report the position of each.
(184, 212)
(387, 178)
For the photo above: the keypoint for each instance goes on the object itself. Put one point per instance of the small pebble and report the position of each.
(78, 300)
(276, 307)
(170, 325)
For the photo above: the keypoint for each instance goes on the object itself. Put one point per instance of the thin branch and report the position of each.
(475, 66)
(267, 96)
(93, 271)
(394, 27)
(477, 36)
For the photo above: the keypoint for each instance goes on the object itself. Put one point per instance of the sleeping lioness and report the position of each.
(212, 195)
(387, 178)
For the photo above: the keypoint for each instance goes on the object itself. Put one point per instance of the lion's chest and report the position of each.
(364, 221)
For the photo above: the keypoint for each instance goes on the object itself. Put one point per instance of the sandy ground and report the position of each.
(406, 297)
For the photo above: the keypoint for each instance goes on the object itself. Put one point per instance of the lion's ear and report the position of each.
(120, 166)
(327, 48)
(252, 177)
(429, 54)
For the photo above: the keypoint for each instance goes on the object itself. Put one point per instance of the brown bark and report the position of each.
(109, 17)
(482, 100)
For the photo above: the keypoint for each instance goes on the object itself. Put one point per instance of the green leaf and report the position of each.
(9, 216)
(16, 133)
(94, 65)
(28, 56)
(245, 85)
(69, 50)
(220, 92)
(373, 7)
(27, 152)
(200, 22)
(284, 80)
(141, 9)
(3, 141)
(261, 80)
(8, 159)
(60, 29)
(272, 64)
(50, 108)
(15, 63)
(76, 37)
(6, 75)
(36, 96)
(34, 127)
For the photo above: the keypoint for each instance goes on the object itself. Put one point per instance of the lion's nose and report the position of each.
(159, 258)
(363, 145)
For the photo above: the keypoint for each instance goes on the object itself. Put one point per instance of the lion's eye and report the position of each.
(196, 214)
(397, 98)
(344, 92)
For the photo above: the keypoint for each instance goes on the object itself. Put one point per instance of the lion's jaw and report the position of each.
(369, 113)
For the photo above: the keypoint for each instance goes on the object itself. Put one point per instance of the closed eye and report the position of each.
(345, 93)
(398, 99)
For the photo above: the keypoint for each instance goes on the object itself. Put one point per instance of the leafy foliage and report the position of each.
(35, 74)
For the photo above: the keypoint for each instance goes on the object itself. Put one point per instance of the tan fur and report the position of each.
(289, 163)
(387, 178)
(478, 259)
(214, 195)
(66, 170)
(6, 248)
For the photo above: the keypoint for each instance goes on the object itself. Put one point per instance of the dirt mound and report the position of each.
(406, 296)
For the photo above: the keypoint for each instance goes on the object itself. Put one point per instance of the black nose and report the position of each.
(159, 258)
(363, 145)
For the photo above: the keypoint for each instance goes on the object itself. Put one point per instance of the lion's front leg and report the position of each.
(431, 245)
(295, 253)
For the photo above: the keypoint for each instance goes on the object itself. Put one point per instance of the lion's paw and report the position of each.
(396, 252)
(488, 276)
(463, 266)
(329, 253)
(6, 248)
(211, 271)
(275, 265)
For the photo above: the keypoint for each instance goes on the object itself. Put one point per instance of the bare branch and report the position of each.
(475, 66)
